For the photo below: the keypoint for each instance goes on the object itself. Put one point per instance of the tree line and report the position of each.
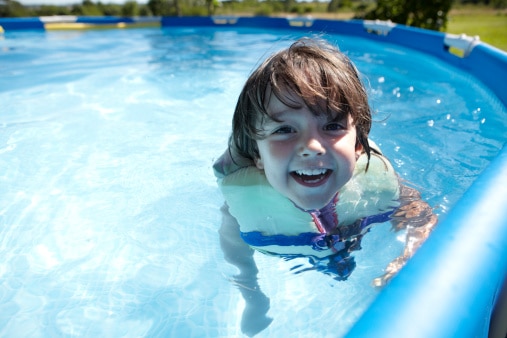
(429, 14)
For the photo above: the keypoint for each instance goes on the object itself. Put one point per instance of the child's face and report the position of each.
(306, 158)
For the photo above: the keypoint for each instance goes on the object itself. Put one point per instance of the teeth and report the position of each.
(311, 172)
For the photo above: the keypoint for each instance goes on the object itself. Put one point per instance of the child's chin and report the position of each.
(312, 203)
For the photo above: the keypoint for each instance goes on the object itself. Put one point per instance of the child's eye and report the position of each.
(333, 126)
(284, 130)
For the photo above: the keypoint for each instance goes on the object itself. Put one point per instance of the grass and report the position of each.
(489, 24)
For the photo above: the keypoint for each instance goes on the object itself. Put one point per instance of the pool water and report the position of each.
(109, 211)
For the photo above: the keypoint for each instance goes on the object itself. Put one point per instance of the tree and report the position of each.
(129, 9)
(430, 14)
(164, 7)
(10, 8)
(211, 5)
(289, 4)
(335, 5)
(109, 9)
(89, 8)
(499, 4)
(177, 7)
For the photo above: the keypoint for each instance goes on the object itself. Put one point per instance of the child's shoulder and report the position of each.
(370, 191)
(375, 173)
(230, 162)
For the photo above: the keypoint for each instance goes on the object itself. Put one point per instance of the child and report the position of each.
(301, 177)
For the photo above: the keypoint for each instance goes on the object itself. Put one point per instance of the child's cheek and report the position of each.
(281, 149)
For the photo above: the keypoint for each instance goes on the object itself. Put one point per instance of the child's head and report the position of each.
(314, 70)
(310, 79)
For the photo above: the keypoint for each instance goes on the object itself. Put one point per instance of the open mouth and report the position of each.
(311, 177)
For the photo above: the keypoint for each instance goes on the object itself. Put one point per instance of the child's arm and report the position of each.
(418, 218)
(235, 250)
(239, 254)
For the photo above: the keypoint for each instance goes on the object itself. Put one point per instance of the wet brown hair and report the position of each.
(312, 69)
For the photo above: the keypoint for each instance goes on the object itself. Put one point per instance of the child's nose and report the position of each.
(312, 146)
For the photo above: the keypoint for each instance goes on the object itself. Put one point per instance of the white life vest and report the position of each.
(259, 208)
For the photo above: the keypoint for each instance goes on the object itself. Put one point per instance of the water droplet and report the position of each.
(399, 163)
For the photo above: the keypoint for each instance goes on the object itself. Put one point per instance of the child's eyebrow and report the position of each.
(338, 116)
(280, 116)
(277, 116)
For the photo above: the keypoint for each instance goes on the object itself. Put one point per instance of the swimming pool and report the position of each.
(110, 210)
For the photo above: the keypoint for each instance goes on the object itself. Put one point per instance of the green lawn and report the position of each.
(489, 24)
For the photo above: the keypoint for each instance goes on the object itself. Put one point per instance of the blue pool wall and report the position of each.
(450, 287)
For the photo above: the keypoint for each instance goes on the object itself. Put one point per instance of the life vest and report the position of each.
(270, 222)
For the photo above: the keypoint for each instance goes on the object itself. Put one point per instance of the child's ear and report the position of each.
(258, 163)
(359, 149)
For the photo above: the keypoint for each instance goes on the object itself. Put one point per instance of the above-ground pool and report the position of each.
(109, 212)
